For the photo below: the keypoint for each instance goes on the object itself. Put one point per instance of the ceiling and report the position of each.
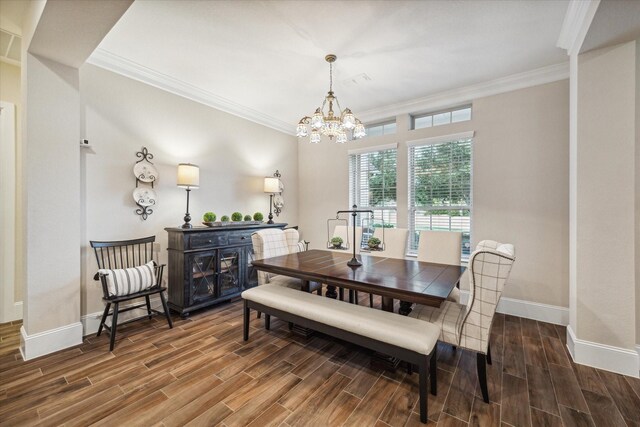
(268, 56)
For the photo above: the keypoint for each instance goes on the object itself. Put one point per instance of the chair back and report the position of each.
(294, 244)
(347, 235)
(441, 247)
(395, 242)
(123, 253)
(490, 265)
(269, 243)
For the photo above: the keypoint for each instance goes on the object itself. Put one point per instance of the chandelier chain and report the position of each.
(330, 76)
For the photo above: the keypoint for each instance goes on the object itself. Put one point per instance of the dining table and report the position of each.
(408, 280)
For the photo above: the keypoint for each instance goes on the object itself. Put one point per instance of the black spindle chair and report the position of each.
(127, 254)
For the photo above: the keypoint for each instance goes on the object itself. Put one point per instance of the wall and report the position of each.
(605, 175)
(10, 92)
(120, 116)
(520, 183)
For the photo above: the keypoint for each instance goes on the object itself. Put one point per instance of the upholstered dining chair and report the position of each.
(395, 242)
(442, 247)
(273, 242)
(469, 326)
(127, 271)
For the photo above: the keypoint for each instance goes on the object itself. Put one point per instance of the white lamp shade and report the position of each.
(271, 185)
(188, 175)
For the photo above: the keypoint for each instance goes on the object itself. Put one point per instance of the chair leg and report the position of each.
(165, 308)
(148, 306)
(291, 326)
(489, 354)
(245, 324)
(114, 325)
(482, 376)
(267, 321)
(258, 315)
(422, 368)
(341, 293)
(371, 300)
(433, 370)
(104, 318)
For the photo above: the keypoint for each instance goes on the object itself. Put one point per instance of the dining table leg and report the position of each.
(387, 304)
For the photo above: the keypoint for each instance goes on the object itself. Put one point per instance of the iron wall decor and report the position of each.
(145, 173)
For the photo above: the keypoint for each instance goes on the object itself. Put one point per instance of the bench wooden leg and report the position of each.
(489, 353)
(104, 318)
(433, 370)
(245, 325)
(423, 372)
(267, 321)
(114, 325)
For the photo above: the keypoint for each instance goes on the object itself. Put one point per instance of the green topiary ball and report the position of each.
(236, 216)
(247, 217)
(258, 216)
(209, 217)
(224, 218)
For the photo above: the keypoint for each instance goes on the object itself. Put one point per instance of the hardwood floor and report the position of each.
(202, 373)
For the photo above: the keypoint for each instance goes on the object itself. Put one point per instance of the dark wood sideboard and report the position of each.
(209, 265)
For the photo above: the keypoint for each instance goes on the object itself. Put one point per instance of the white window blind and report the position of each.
(372, 183)
(440, 190)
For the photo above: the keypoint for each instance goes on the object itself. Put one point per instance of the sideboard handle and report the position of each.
(243, 237)
(209, 241)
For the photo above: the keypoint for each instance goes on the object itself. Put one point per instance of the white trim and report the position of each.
(8, 213)
(528, 309)
(638, 351)
(442, 138)
(577, 21)
(372, 149)
(602, 356)
(119, 65)
(41, 343)
(467, 94)
(91, 322)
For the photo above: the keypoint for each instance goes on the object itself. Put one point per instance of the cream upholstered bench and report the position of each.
(408, 339)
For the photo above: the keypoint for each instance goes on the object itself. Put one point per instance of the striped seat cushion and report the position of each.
(128, 281)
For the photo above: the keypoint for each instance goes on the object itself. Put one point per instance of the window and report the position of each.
(440, 188)
(372, 183)
(454, 115)
(381, 129)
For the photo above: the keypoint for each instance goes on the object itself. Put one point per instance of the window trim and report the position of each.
(436, 112)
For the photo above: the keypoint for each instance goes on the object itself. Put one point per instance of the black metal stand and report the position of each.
(354, 262)
(270, 209)
(187, 217)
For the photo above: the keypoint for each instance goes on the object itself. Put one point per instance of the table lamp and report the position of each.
(188, 178)
(271, 185)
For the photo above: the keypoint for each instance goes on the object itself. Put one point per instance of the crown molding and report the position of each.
(577, 21)
(119, 65)
(467, 94)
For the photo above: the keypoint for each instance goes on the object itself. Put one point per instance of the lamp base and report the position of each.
(187, 217)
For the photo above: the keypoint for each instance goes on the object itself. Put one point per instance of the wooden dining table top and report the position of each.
(404, 279)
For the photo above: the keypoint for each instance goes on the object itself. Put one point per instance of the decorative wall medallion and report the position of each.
(145, 173)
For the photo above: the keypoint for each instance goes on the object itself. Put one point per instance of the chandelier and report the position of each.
(330, 124)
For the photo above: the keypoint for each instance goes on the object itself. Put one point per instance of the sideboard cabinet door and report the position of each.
(210, 265)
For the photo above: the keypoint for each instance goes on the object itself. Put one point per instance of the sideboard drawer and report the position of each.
(207, 240)
(240, 237)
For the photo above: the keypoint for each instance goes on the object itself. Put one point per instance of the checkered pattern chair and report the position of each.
(469, 325)
(442, 247)
(273, 242)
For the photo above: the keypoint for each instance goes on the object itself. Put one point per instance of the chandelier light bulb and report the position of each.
(315, 137)
(349, 120)
(301, 130)
(336, 123)
(317, 121)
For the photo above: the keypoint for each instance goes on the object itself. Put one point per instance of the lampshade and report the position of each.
(271, 185)
(188, 175)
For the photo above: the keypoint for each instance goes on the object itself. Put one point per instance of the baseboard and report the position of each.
(46, 342)
(602, 356)
(91, 322)
(528, 309)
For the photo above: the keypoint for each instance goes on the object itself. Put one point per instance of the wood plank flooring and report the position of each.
(202, 373)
